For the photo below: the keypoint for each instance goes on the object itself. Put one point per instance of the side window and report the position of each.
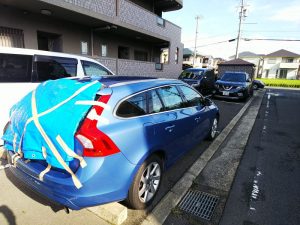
(170, 97)
(15, 68)
(52, 68)
(134, 106)
(192, 97)
(94, 69)
(155, 104)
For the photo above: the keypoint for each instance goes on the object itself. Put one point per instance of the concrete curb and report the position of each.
(160, 213)
(2, 153)
(114, 213)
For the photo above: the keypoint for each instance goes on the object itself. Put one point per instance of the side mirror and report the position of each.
(248, 80)
(207, 101)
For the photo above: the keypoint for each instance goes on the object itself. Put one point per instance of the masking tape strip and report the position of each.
(101, 104)
(42, 174)
(76, 181)
(70, 152)
(44, 152)
(14, 142)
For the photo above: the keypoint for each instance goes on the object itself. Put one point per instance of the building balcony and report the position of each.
(289, 65)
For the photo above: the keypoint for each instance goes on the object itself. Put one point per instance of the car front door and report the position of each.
(199, 117)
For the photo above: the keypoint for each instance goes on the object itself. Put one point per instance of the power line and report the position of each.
(269, 39)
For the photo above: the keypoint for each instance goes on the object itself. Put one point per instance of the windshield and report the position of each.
(190, 74)
(234, 77)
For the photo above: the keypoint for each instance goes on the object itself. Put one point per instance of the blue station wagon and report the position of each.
(128, 133)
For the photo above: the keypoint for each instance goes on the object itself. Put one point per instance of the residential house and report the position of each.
(128, 36)
(236, 65)
(201, 61)
(281, 64)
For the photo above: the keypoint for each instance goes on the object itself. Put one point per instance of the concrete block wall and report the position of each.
(105, 7)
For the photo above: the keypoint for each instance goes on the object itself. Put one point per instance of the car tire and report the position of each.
(146, 183)
(255, 86)
(213, 129)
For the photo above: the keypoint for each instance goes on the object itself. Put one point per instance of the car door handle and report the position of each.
(197, 119)
(170, 128)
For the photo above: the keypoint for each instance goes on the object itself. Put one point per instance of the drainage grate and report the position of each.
(199, 204)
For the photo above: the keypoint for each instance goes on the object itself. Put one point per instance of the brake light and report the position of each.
(95, 143)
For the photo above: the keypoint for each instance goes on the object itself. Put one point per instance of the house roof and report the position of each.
(247, 54)
(282, 53)
(187, 51)
(236, 62)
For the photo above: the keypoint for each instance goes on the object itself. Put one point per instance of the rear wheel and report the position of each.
(213, 130)
(146, 183)
(255, 86)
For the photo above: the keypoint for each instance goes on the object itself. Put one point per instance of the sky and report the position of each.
(275, 19)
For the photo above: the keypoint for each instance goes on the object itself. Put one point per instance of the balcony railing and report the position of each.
(286, 65)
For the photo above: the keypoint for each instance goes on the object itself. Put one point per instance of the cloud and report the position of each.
(288, 14)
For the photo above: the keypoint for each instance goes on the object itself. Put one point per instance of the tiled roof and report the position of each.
(187, 51)
(282, 53)
(237, 62)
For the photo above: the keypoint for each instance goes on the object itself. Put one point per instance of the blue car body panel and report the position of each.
(108, 179)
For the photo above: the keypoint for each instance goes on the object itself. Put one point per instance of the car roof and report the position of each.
(197, 69)
(136, 82)
(25, 51)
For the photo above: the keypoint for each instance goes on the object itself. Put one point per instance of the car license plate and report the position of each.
(226, 93)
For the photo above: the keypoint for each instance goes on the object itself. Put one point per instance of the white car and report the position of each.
(21, 70)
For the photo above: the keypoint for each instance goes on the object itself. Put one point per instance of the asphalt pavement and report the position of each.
(15, 198)
(267, 184)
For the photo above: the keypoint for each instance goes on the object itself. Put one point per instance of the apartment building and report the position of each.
(127, 36)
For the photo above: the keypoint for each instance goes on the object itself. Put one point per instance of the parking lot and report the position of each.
(14, 204)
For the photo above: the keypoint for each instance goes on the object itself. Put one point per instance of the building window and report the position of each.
(84, 47)
(164, 56)
(140, 55)
(49, 41)
(288, 60)
(123, 52)
(103, 50)
(271, 61)
(267, 74)
(10, 37)
(283, 73)
(176, 55)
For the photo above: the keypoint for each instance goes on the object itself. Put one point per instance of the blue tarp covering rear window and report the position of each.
(58, 114)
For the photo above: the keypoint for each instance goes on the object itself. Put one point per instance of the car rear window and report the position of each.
(234, 77)
(133, 106)
(15, 68)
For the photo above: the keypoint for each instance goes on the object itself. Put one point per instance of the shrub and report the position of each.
(281, 83)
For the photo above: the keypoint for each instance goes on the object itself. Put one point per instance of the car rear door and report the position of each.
(172, 127)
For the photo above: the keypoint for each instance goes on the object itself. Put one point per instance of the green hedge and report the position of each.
(281, 83)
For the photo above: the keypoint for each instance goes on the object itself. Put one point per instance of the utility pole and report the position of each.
(242, 15)
(196, 36)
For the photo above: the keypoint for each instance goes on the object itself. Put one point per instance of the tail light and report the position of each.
(95, 143)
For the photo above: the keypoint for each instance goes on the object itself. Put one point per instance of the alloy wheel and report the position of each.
(149, 182)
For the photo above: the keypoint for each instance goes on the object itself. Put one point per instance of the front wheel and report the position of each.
(213, 130)
(146, 183)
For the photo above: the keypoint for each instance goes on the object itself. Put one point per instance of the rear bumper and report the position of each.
(104, 180)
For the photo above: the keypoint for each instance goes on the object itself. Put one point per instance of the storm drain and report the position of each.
(199, 204)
